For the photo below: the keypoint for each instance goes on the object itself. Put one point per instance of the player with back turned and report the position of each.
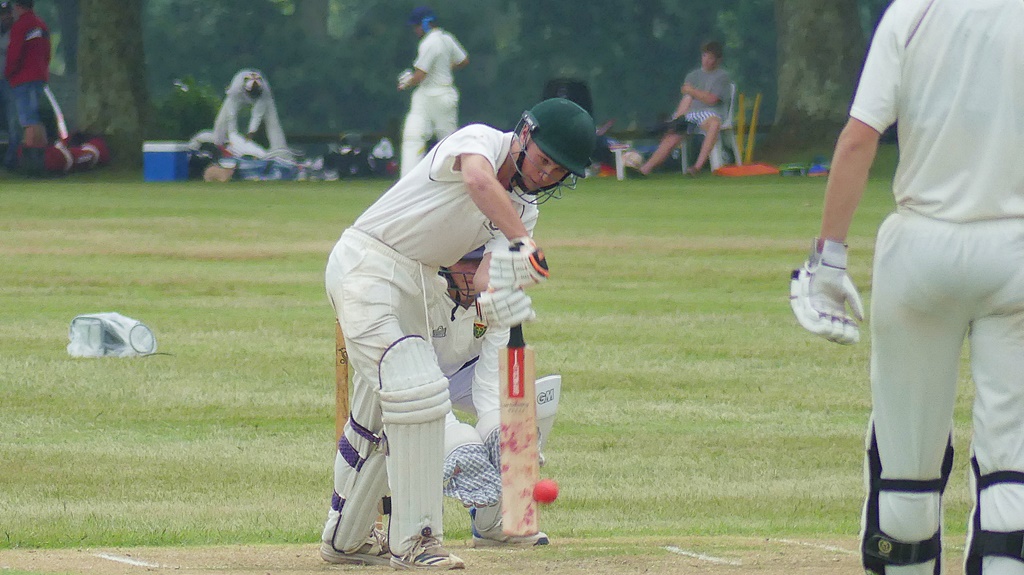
(434, 105)
(478, 186)
(949, 265)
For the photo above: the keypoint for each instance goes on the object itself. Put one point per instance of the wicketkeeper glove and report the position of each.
(404, 78)
(522, 266)
(505, 307)
(819, 292)
(470, 477)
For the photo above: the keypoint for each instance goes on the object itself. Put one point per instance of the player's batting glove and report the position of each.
(505, 307)
(522, 266)
(470, 477)
(819, 292)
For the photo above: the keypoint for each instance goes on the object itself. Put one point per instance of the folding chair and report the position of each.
(727, 134)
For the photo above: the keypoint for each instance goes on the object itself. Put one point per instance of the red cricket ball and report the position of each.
(545, 491)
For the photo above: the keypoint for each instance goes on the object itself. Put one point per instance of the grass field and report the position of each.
(693, 404)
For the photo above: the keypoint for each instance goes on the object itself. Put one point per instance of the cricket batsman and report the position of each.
(479, 186)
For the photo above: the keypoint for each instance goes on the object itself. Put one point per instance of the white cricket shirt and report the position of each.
(428, 215)
(438, 51)
(952, 73)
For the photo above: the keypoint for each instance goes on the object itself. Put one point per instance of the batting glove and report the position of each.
(819, 292)
(522, 266)
(505, 307)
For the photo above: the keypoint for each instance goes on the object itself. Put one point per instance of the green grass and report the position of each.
(692, 403)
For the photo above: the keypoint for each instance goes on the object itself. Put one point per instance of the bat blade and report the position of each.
(340, 382)
(58, 114)
(519, 457)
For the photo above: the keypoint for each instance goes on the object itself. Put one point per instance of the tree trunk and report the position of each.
(820, 51)
(67, 12)
(113, 98)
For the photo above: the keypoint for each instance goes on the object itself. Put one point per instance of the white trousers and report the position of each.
(433, 113)
(935, 284)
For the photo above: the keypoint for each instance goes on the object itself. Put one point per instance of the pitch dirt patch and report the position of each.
(662, 556)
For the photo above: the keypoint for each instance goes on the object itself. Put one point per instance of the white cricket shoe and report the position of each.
(427, 553)
(486, 524)
(374, 552)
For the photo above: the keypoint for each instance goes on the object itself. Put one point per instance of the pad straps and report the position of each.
(878, 548)
(891, 552)
(992, 543)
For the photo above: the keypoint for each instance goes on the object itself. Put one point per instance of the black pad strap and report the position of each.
(913, 485)
(992, 543)
(990, 479)
(892, 552)
(995, 543)
(878, 549)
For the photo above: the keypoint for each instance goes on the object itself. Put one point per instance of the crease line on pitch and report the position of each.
(700, 556)
(126, 560)
(832, 548)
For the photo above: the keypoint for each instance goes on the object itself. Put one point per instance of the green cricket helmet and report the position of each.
(564, 131)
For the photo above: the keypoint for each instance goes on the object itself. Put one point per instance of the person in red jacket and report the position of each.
(27, 70)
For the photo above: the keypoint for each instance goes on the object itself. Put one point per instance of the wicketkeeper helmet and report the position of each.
(564, 131)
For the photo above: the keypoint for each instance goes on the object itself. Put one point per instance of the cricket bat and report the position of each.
(520, 469)
(340, 382)
(58, 114)
(341, 404)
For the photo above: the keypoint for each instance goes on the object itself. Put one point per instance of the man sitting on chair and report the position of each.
(705, 92)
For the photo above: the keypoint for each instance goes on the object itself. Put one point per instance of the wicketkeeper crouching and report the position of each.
(467, 351)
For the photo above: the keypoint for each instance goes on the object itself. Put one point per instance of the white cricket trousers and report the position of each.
(433, 113)
(934, 284)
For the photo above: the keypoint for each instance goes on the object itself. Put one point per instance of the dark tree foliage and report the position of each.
(821, 49)
(332, 64)
(632, 55)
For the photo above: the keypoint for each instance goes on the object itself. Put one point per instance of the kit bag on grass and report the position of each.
(109, 334)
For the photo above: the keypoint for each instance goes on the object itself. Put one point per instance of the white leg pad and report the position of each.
(355, 505)
(489, 427)
(360, 473)
(487, 519)
(457, 434)
(414, 402)
(549, 391)
(909, 516)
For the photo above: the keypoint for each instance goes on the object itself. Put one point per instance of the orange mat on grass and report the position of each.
(747, 170)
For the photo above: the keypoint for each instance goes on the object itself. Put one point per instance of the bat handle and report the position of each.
(515, 336)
